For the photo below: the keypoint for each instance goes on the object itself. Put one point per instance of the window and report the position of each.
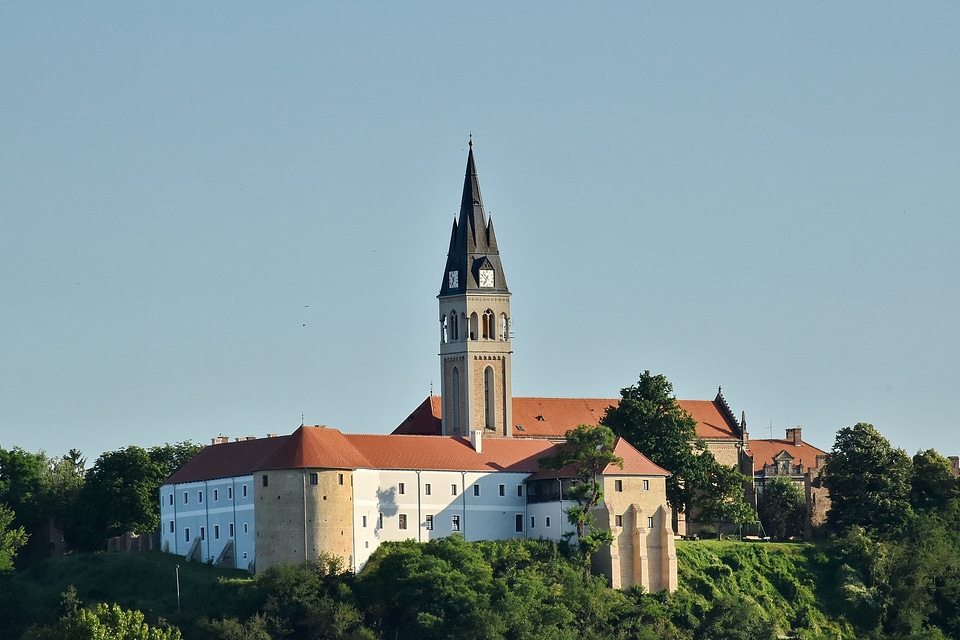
(380, 521)
(646, 485)
(245, 529)
(200, 496)
(216, 532)
(547, 522)
(489, 325)
(171, 527)
(618, 520)
(428, 525)
(426, 489)
(231, 529)
(244, 491)
(649, 522)
(216, 495)
(401, 489)
(618, 485)
(186, 534)
(171, 499)
(186, 497)
(340, 479)
(266, 480)
(455, 398)
(453, 489)
(503, 490)
(364, 522)
(403, 521)
(476, 490)
(203, 533)
(229, 493)
(519, 490)
(533, 522)
(455, 524)
(519, 522)
(314, 478)
(489, 400)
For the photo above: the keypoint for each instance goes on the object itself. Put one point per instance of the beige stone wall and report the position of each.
(725, 451)
(297, 520)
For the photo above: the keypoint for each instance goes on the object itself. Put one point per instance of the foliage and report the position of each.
(736, 619)
(932, 485)
(782, 509)
(587, 452)
(650, 419)
(868, 480)
(106, 622)
(11, 539)
(722, 498)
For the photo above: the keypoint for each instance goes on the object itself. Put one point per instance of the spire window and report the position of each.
(474, 321)
(453, 409)
(489, 400)
(489, 328)
(504, 327)
(443, 329)
(454, 334)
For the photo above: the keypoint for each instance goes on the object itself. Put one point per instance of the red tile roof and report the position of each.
(634, 464)
(226, 460)
(315, 447)
(553, 417)
(431, 452)
(764, 452)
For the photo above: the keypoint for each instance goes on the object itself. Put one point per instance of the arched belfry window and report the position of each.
(443, 329)
(473, 325)
(453, 406)
(454, 333)
(489, 330)
(504, 327)
(489, 400)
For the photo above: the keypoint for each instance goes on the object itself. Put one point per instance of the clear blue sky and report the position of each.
(218, 217)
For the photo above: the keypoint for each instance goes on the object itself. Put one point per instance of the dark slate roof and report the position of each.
(473, 243)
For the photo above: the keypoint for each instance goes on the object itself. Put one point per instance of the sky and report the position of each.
(231, 218)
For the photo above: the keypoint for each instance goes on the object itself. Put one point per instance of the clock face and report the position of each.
(486, 277)
(453, 279)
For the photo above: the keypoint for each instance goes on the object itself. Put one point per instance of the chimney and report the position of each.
(793, 435)
(477, 440)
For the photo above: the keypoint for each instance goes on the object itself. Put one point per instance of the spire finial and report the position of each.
(471, 139)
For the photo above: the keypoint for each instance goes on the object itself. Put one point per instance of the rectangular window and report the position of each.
(266, 480)
(171, 499)
(364, 522)
(245, 530)
(380, 521)
(200, 497)
(314, 479)
(503, 490)
(171, 526)
(229, 493)
(618, 521)
(231, 529)
(186, 534)
(403, 521)
(519, 522)
(244, 491)
(426, 489)
(455, 524)
(216, 495)
(401, 489)
(453, 489)
(650, 522)
(186, 497)
(547, 523)
(618, 485)
(203, 533)
(533, 522)
(519, 490)
(340, 479)
(429, 523)
(646, 485)
(476, 489)
(216, 532)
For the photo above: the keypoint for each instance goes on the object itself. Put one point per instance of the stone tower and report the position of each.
(474, 323)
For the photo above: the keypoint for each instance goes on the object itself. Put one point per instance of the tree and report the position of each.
(868, 480)
(782, 508)
(107, 622)
(932, 485)
(736, 619)
(587, 452)
(649, 418)
(11, 539)
(722, 498)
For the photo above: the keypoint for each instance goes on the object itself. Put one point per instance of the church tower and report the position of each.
(474, 323)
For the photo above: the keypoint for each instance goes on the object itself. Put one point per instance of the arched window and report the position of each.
(489, 331)
(473, 326)
(443, 329)
(504, 327)
(489, 400)
(453, 409)
(454, 333)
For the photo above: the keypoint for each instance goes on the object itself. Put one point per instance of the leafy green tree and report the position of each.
(170, 457)
(782, 508)
(107, 622)
(932, 485)
(587, 452)
(722, 498)
(11, 539)
(23, 488)
(649, 418)
(736, 619)
(868, 480)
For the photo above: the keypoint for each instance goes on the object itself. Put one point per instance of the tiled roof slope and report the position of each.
(765, 450)
(634, 464)
(553, 417)
(441, 454)
(315, 448)
(226, 460)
